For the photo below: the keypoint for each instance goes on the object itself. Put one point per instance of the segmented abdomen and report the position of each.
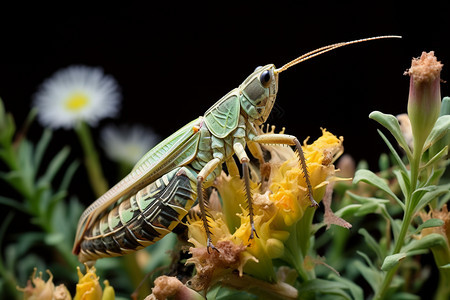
(142, 219)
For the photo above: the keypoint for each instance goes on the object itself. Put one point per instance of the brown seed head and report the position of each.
(426, 68)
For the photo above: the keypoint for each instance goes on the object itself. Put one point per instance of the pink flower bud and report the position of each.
(424, 101)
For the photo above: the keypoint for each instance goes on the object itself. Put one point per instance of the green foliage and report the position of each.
(419, 187)
(35, 194)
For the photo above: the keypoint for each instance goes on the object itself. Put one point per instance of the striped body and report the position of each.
(142, 219)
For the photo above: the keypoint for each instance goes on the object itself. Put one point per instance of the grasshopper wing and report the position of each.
(179, 149)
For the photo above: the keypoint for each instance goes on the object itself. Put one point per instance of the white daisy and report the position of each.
(127, 144)
(77, 93)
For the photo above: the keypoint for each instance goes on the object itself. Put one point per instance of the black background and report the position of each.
(173, 61)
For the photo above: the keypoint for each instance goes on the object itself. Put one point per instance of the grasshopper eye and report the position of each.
(265, 78)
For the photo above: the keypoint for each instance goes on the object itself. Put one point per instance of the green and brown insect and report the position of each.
(165, 183)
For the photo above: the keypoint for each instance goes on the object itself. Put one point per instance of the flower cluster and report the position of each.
(281, 214)
(88, 288)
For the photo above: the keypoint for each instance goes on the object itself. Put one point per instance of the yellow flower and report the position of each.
(231, 254)
(277, 208)
(88, 286)
(288, 186)
(108, 292)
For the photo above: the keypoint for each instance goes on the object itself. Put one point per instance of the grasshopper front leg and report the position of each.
(202, 175)
(285, 139)
(239, 150)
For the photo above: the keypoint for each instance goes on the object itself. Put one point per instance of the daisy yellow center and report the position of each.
(77, 101)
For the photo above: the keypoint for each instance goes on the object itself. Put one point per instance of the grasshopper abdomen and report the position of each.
(142, 219)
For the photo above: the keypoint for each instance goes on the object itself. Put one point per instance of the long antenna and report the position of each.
(324, 49)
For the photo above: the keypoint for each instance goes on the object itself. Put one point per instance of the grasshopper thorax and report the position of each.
(258, 92)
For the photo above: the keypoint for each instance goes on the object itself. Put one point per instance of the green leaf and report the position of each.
(28, 240)
(447, 266)
(429, 223)
(367, 208)
(444, 199)
(441, 154)
(312, 289)
(41, 147)
(355, 290)
(404, 296)
(397, 158)
(347, 210)
(420, 192)
(445, 106)
(393, 260)
(68, 175)
(371, 178)
(383, 162)
(371, 274)
(366, 259)
(396, 225)
(222, 293)
(434, 176)
(15, 179)
(371, 243)
(75, 211)
(53, 201)
(13, 203)
(426, 242)
(363, 199)
(55, 165)
(53, 239)
(439, 130)
(431, 195)
(391, 123)
(415, 247)
(26, 164)
(403, 181)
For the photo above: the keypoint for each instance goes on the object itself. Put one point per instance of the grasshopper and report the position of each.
(165, 183)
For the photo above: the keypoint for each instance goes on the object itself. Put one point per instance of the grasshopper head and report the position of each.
(258, 93)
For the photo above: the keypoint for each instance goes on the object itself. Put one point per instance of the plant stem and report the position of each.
(96, 177)
(414, 175)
